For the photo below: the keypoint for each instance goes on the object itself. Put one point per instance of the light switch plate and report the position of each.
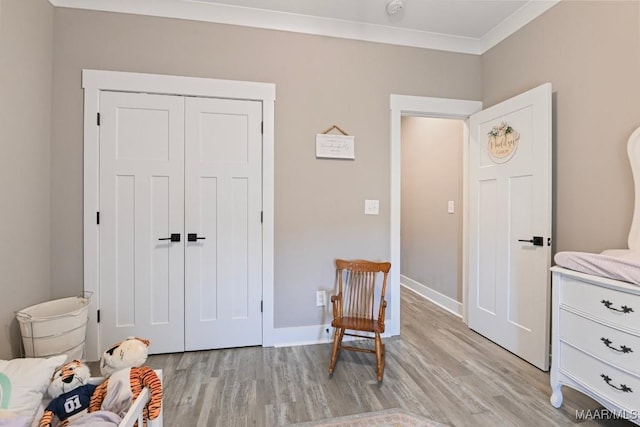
(371, 207)
(450, 207)
(321, 298)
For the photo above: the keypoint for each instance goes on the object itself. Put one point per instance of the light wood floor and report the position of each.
(437, 368)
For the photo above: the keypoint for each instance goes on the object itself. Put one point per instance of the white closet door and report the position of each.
(223, 268)
(142, 202)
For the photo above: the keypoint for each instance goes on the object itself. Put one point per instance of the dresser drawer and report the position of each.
(615, 307)
(616, 347)
(612, 384)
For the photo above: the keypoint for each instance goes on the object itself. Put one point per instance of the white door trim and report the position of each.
(93, 81)
(403, 105)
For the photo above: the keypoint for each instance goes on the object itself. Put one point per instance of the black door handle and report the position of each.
(192, 237)
(537, 241)
(175, 237)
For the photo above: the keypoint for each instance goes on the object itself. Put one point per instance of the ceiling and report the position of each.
(467, 26)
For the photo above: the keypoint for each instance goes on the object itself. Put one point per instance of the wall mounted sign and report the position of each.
(503, 142)
(335, 146)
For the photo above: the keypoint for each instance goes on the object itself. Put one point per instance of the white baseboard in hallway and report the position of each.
(435, 297)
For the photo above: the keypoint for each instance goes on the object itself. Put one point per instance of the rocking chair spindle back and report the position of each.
(354, 306)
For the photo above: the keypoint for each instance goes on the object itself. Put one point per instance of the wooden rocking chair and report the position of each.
(353, 307)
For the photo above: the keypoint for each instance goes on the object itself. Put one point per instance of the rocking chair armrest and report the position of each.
(383, 307)
(336, 302)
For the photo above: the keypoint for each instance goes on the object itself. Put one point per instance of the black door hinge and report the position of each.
(98, 316)
(262, 128)
(261, 217)
(261, 306)
(98, 120)
(98, 218)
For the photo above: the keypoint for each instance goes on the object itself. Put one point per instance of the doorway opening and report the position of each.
(416, 106)
(505, 196)
(431, 209)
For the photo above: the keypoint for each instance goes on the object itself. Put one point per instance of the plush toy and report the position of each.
(71, 394)
(122, 365)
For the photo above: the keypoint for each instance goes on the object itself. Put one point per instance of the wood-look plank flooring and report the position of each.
(438, 368)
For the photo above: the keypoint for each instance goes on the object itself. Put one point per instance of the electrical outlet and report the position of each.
(321, 298)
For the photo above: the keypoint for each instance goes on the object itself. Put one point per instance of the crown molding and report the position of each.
(513, 23)
(267, 19)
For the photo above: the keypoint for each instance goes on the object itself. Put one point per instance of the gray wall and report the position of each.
(320, 81)
(431, 238)
(26, 30)
(590, 52)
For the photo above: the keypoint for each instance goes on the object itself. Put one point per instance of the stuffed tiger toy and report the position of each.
(71, 394)
(125, 376)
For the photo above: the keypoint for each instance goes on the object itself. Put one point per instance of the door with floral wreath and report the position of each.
(510, 209)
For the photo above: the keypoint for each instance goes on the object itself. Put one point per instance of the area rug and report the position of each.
(387, 418)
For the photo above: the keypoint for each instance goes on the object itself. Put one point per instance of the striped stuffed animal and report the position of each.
(71, 394)
(125, 377)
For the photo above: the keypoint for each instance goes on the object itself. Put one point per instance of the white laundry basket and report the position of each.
(55, 327)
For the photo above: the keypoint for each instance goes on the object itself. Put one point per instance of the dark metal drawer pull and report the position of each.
(623, 309)
(622, 349)
(623, 387)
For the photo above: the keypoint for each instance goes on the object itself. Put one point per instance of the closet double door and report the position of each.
(180, 221)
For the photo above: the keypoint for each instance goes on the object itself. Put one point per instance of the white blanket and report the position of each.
(617, 264)
(97, 419)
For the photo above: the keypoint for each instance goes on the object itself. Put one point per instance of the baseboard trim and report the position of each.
(302, 335)
(317, 334)
(452, 306)
(308, 335)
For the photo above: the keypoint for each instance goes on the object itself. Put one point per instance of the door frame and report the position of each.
(94, 81)
(404, 105)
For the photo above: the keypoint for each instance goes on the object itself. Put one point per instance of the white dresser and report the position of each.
(596, 340)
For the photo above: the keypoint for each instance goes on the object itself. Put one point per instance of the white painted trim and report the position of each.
(302, 335)
(177, 85)
(93, 81)
(275, 20)
(394, 218)
(465, 219)
(449, 304)
(434, 107)
(310, 335)
(515, 22)
(91, 203)
(403, 105)
(268, 220)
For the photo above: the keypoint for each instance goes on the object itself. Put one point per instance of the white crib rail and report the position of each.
(135, 412)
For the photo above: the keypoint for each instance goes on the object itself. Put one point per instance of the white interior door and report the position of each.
(223, 199)
(142, 202)
(510, 224)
